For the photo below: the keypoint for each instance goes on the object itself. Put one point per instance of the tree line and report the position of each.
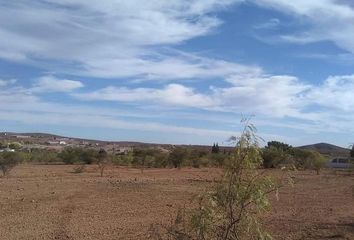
(274, 154)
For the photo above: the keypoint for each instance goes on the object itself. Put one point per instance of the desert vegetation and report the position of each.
(230, 210)
(230, 190)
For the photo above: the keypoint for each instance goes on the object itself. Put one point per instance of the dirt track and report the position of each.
(52, 202)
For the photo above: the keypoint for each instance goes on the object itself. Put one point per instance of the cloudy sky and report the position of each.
(182, 71)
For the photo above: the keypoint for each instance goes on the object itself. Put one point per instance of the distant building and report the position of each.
(62, 143)
(53, 142)
(22, 136)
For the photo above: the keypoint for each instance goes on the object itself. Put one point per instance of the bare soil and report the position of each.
(52, 202)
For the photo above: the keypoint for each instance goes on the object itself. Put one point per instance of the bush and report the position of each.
(217, 159)
(178, 156)
(43, 156)
(88, 156)
(149, 158)
(230, 210)
(306, 159)
(70, 155)
(102, 160)
(274, 157)
(8, 160)
(15, 145)
(78, 155)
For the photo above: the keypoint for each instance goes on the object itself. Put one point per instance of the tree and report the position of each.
(352, 152)
(273, 157)
(317, 162)
(230, 210)
(307, 159)
(70, 155)
(177, 156)
(215, 148)
(15, 145)
(88, 156)
(102, 160)
(279, 145)
(8, 160)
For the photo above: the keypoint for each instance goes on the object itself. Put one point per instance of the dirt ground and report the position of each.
(51, 202)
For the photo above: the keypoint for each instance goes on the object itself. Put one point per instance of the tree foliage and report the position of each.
(177, 156)
(215, 148)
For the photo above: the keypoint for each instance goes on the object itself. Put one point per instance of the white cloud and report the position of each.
(271, 98)
(4, 83)
(330, 20)
(53, 84)
(252, 92)
(336, 93)
(108, 38)
(172, 94)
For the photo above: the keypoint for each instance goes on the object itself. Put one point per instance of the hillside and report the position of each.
(327, 149)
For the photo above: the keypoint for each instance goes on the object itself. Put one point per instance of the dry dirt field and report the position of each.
(51, 202)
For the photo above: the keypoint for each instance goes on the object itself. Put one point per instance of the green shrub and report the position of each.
(178, 156)
(274, 157)
(43, 156)
(8, 160)
(231, 210)
(70, 155)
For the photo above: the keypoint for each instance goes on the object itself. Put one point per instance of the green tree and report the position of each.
(70, 155)
(178, 156)
(273, 157)
(215, 148)
(88, 156)
(279, 145)
(15, 145)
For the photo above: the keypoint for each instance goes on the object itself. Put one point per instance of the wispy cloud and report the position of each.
(111, 38)
(323, 19)
(271, 24)
(52, 84)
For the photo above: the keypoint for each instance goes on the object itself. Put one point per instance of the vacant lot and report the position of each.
(52, 202)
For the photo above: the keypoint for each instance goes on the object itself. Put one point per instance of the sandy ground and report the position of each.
(52, 202)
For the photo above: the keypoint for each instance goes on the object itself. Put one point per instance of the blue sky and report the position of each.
(178, 71)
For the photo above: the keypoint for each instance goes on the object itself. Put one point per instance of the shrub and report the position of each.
(43, 156)
(88, 156)
(177, 157)
(230, 210)
(70, 155)
(273, 157)
(102, 160)
(279, 146)
(8, 160)
(78, 155)
(15, 145)
(217, 159)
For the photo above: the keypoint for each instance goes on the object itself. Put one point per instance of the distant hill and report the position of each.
(44, 138)
(327, 149)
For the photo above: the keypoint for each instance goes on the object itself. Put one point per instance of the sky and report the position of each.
(179, 72)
